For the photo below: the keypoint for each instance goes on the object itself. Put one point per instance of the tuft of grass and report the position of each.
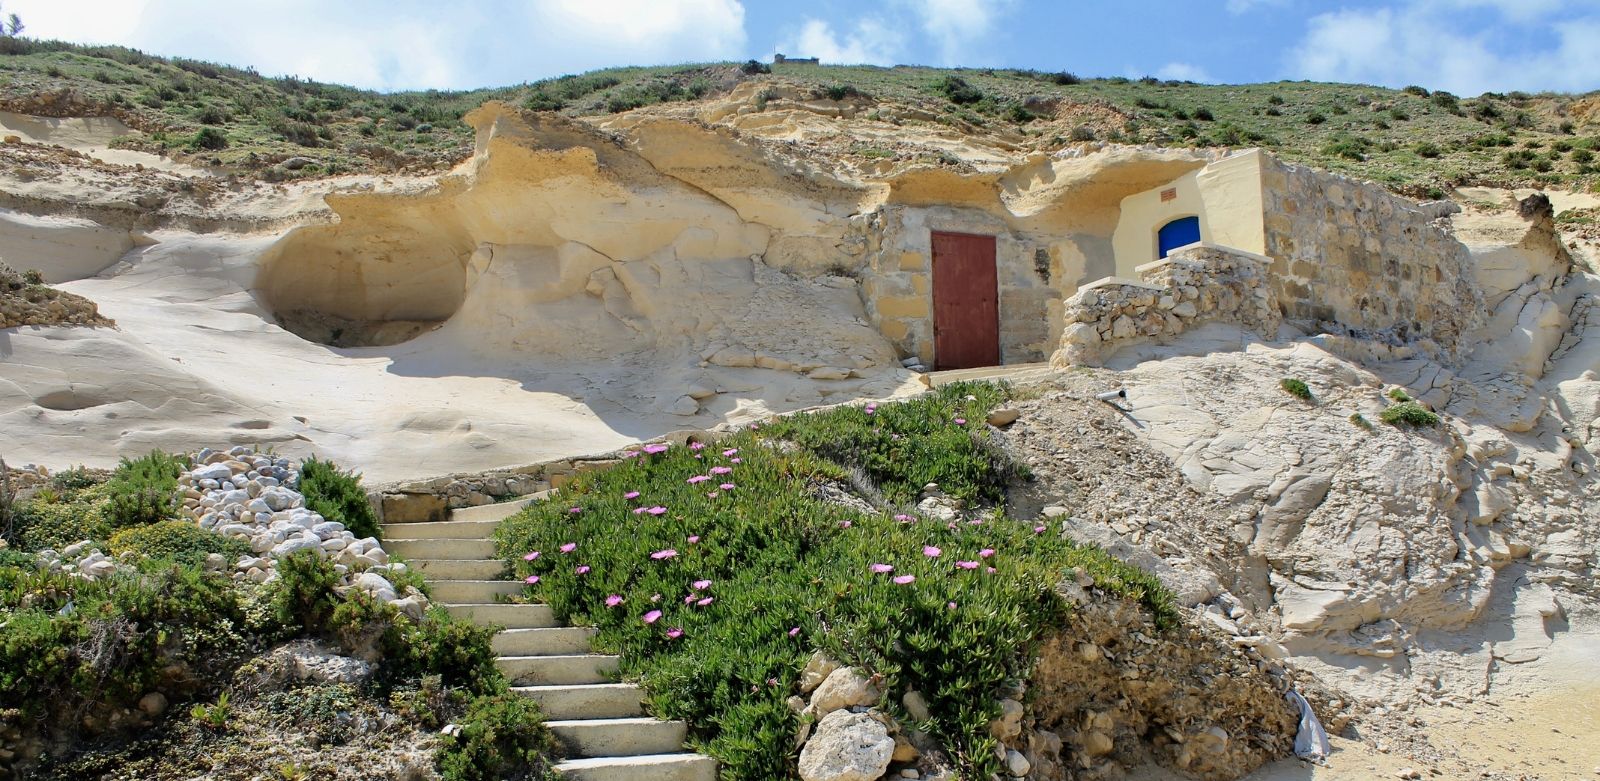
(1296, 388)
(717, 598)
(1360, 421)
(1409, 413)
(1399, 394)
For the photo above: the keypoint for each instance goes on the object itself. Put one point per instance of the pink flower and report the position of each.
(905, 580)
(657, 510)
(950, 605)
(794, 632)
(870, 408)
(735, 460)
(652, 616)
(631, 495)
(903, 518)
(845, 524)
(961, 421)
(720, 470)
(531, 579)
(986, 553)
(704, 602)
(702, 585)
(613, 600)
(712, 495)
(882, 568)
(894, 436)
(732, 450)
(772, 681)
(990, 570)
(697, 445)
(694, 538)
(754, 426)
(656, 448)
(967, 564)
(583, 569)
(631, 454)
(674, 633)
(530, 556)
(975, 522)
(569, 547)
(664, 554)
(639, 510)
(688, 599)
(931, 552)
(699, 479)
(574, 510)
(726, 486)
(1038, 530)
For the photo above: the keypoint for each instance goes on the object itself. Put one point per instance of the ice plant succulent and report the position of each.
(652, 616)
(905, 580)
(614, 600)
(882, 568)
(931, 551)
(569, 547)
(664, 554)
(530, 555)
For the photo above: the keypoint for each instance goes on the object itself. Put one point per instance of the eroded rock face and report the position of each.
(1112, 691)
(847, 746)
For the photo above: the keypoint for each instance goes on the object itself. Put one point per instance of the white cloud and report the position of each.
(1183, 71)
(1422, 42)
(956, 25)
(872, 42)
(403, 44)
(1246, 6)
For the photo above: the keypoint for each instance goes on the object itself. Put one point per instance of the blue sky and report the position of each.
(1465, 46)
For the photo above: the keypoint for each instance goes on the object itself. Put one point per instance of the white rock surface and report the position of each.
(847, 746)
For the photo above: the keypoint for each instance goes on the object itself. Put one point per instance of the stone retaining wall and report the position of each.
(432, 499)
(1198, 284)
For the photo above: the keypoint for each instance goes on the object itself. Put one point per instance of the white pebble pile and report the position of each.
(252, 496)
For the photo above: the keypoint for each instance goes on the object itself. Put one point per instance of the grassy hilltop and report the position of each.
(1414, 140)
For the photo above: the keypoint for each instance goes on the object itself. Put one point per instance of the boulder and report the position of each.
(847, 747)
(817, 670)
(844, 688)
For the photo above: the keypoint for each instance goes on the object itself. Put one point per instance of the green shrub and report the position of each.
(1296, 388)
(1082, 133)
(180, 541)
(1416, 90)
(1408, 412)
(1399, 394)
(1275, 100)
(501, 736)
(1360, 421)
(840, 92)
(1316, 118)
(209, 138)
(302, 598)
(788, 573)
(144, 490)
(1427, 149)
(74, 516)
(338, 496)
(755, 67)
(958, 91)
(1203, 114)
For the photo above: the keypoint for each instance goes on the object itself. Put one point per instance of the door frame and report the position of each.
(933, 287)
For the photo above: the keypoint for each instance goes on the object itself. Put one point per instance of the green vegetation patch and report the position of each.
(716, 571)
(181, 541)
(1409, 413)
(1296, 388)
(338, 496)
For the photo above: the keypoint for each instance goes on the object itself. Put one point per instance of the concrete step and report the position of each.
(618, 737)
(508, 616)
(458, 569)
(439, 549)
(654, 767)
(495, 512)
(586, 701)
(445, 530)
(555, 641)
(558, 670)
(473, 591)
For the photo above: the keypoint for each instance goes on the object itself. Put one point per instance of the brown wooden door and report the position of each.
(966, 308)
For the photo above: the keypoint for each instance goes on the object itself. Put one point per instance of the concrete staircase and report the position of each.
(601, 724)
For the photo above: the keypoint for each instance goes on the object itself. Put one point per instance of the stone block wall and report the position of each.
(897, 280)
(1195, 285)
(1351, 257)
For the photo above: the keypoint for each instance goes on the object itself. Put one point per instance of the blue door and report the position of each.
(1178, 233)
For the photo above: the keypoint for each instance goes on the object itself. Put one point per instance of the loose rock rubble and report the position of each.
(251, 496)
(25, 302)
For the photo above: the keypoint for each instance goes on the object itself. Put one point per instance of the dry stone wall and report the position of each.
(1350, 256)
(1191, 286)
